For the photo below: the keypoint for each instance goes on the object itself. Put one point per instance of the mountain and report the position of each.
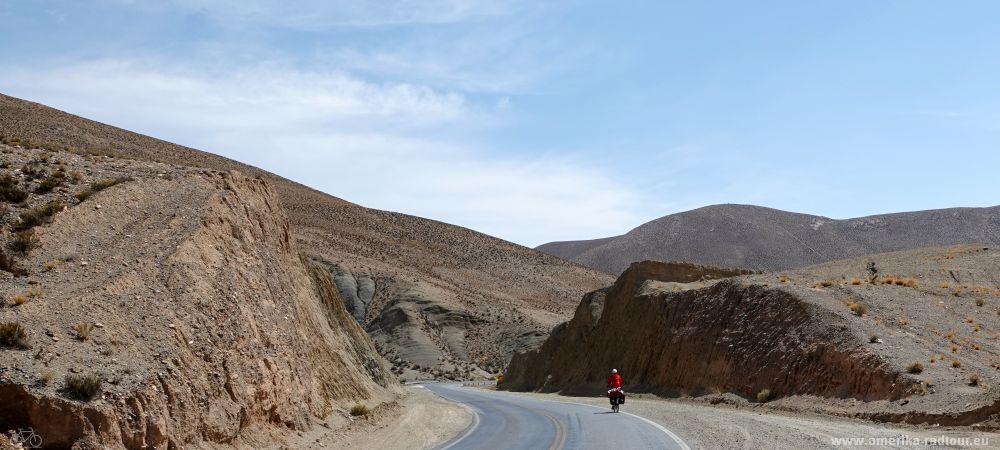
(769, 239)
(901, 337)
(436, 298)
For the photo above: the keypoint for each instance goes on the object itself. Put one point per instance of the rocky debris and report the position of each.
(770, 239)
(904, 337)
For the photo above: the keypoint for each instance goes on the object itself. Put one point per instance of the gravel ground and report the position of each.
(416, 421)
(710, 427)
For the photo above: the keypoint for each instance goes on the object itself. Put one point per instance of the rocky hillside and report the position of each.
(770, 239)
(146, 305)
(436, 297)
(908, 336)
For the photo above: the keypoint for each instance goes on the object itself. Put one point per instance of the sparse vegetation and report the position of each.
(826, 283)
(52, 265)
(915, 368)
(39, 215)
(99, 186)
(359, 410)
(51, 182)
(23, 242)
(46, 375)
(83, 387)
(9, 264)
(873, 339)
(19, 299)
(956, 363)
(12, 334)
(954, 348)
(764, 395)
(973, 380)
(858, 309)
(783, 279)
(82, 330)
(10, 192)
(944, 285)
(980, 302)
(904, 322)
(855, 281)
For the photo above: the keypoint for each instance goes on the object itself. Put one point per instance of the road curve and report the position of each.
(508, 421)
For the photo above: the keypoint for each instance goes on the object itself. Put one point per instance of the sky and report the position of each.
(537, 121)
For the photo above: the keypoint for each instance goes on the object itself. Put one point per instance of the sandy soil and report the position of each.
(725, 427)
(418, 420)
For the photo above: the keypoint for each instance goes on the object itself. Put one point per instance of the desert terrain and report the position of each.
(907, 337)
(761, 238)
(440, 300)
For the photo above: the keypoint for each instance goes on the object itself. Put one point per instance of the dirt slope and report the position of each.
(836, 338)
(770, 239)
(497, 296)
(180, 291)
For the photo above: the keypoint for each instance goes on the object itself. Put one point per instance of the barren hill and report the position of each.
(908, 336)
(435, 297)
(146, 305)
(770, 239)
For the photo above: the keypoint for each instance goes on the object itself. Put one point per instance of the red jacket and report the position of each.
(614, 381)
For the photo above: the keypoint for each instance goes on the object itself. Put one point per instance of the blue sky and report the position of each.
(539, 121)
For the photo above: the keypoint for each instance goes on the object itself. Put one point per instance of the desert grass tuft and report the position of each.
(915, 368)
(764, 395)
(83, 387)
(12, 334)
(359, 410)
(82, 330)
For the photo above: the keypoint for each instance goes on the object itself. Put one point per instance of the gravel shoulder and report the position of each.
(418, 420)
(726, 427)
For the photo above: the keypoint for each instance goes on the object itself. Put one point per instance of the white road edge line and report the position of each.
(472, 427)
(680, 442)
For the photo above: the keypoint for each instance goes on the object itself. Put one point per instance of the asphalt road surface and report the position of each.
(508, 421)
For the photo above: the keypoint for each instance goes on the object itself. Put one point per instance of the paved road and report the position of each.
(507, 421)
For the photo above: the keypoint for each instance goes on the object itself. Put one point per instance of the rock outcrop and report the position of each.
(209, 326)
(726, 336)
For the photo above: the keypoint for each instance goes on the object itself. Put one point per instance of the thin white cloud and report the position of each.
(327, 14)
(387, 146)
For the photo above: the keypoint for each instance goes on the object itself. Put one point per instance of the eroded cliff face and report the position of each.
(727, 337)
(212, 328)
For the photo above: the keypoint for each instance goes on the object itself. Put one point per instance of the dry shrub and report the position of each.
(9, 264)
(39, 215)
(52, 265)
(783, 279)
(12, 334)
(858, 309)
(82, 330)
(977, 346)
(954, 348)
(949, 335)
(83, 387)
(973, 380)
(956, 363)
(855, 281)
(764, 395)
(915, 368)
(980, 302)
(944, 285)
(9, 190)
(51, 182)
(19, 299)
(23, 242)
(826, 283)
(904, 322)
(359, 410)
